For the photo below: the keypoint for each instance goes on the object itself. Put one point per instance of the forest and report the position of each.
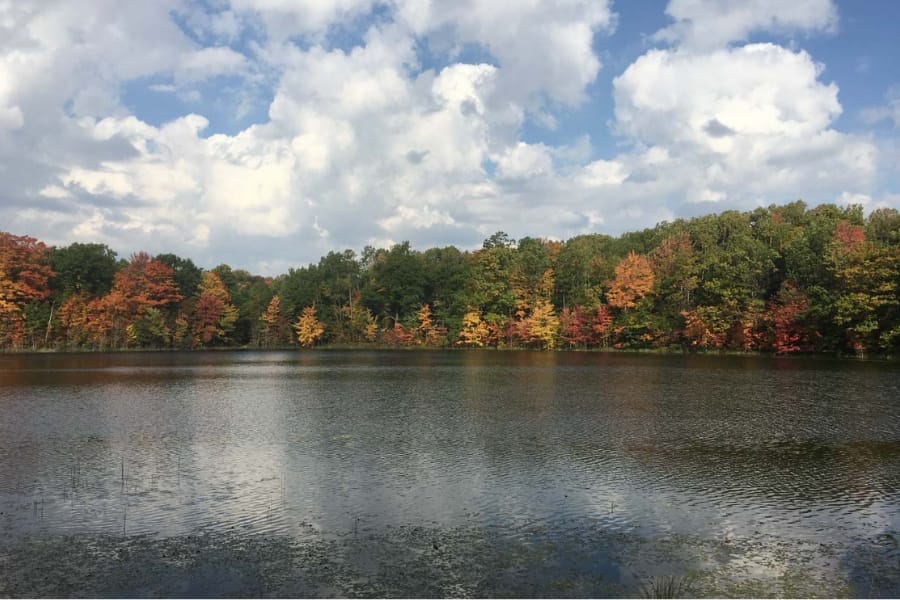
(781, 279)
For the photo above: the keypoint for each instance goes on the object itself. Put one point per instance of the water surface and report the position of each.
(597, 469)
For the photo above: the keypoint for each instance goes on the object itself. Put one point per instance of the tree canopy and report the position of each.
(779, 279)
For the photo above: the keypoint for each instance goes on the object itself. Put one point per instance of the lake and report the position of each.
(458, 473)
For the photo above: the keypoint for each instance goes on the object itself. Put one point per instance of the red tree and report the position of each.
(24, 274)
(849, 237)
(144, 283)
(601, 327)
(574, 327)
(783, 315)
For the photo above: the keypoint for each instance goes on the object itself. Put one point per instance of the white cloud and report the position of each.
(602, 173)
(542, 46)
(848, 198)
(11, 117)
(209, 62)
(747, 125)
(706, 24)
(406, 216)
(524, 161)
(371, 140)
(713, 100)
(889, 111)
(286, 18)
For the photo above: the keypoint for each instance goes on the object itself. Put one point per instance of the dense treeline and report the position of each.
(779, 279)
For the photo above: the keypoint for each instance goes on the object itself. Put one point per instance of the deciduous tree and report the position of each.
(574, 327)
(309, 329)
(83, 268)
(474, 332)
(543, 325)
(24, 277)
(706, 327)
(634, 280)
(274, 323)
(784, 316)
(214, 314)
(145, 282)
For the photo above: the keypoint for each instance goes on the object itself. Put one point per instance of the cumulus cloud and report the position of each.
(362, 131)
(284, 19)
(706, 24)
(712, 100)
(542, 47)
(524, 161)
(749, 124)
(400, 120)
(889, 111)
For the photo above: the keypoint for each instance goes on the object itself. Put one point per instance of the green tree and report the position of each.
(186, 274)
(583, 265)
(674, 265)
(250, 294)
(867, 301)
(150, 330)
(447, 272)
(87, 268)
(883, 226)
(398, 281)
(489, 287)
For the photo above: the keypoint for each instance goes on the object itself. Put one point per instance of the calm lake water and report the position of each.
(482, 473)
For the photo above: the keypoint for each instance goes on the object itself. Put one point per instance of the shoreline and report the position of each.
(385, 348)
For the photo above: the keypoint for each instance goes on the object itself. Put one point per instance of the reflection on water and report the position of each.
(534, 447)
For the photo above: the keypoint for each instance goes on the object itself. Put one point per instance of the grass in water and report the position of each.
(668, 586)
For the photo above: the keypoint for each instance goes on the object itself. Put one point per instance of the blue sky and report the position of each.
(265, 133)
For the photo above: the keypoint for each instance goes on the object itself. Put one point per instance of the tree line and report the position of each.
(779, 279)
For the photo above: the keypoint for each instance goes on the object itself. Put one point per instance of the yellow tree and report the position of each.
(474, 330)
(273, 322)
(370, 332)
(214, 314)
(426, 325)
(543, 324)
(427, 332)
(309, 329)
(528, 296)
(634, 280)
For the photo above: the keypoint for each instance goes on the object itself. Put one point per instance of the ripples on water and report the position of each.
(531, 446)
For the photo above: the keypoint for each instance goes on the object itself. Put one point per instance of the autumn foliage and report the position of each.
(24, 275)
(782, 279)
(275, 323)
(214, 314)
(634, 280)
(474, 332)
(309, 329)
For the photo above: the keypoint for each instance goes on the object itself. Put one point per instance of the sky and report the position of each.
(266, 133)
